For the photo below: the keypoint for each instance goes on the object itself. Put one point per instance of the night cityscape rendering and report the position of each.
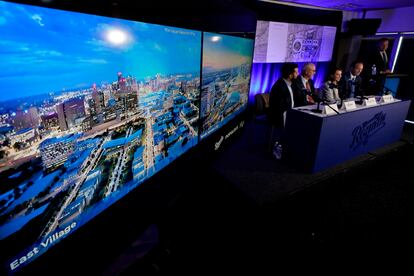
(226, 70)
(94, 106)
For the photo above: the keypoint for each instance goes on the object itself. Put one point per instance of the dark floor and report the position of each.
(218, 226)
(224, 221)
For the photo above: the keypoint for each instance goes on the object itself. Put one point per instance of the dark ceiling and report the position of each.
(207, 15)
(353, 5)
(213, 15)
(206, 5)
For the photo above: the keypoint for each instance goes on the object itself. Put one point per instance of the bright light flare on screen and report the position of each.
(215, 38)
(117, 37)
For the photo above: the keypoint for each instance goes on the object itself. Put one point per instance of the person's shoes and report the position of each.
(277, 151)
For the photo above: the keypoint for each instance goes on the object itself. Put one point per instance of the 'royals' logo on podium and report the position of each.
(367, 129)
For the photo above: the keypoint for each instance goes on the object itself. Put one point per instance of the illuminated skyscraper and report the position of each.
(27, 118)
(34, 116)
(207, 99)
(107, 95)
(70, 112)
(131, 84)
(98, 99)
(61, 117)
(121, 83)
(50, 120)
(126, 95)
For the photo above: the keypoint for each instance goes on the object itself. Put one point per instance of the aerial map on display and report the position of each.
(303, 42)
(288, 42)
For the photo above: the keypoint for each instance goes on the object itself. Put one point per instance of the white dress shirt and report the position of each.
(289, 85)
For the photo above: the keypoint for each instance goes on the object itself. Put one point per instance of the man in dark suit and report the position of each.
(281, 96)
(303, 86)
(378, 67)
(380, 57)
(280, 101)
(351, 81)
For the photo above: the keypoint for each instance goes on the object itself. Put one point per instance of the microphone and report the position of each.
(317, 110)
(341, 103)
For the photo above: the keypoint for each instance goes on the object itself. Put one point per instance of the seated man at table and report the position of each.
(303, 86)
(351, 81)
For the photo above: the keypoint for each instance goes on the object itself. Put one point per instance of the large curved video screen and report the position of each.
(90, 108)
(289, 42)
(226, 68)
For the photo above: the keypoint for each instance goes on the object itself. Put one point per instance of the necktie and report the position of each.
(384, 58)
(308, 86)
(352, 95)
(309, 99)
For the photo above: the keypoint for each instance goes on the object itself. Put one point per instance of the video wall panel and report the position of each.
(226, 70)
(90, 108)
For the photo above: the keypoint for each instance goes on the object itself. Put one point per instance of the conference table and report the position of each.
(316, 141)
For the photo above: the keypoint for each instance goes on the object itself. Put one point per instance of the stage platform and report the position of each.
(250, 167)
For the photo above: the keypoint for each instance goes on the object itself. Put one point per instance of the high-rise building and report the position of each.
(126, 102)
(50, 120)
(131, 101)
(207, 99)
(131, 84)
(69, 112)
(27, 118)
(98, 99)
(107, 95)
(121, 82)
(61, 117)
(34, 116)
(20, 120)
(126, 96)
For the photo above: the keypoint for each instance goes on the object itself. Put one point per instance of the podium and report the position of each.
(315, 142)
(391, 84)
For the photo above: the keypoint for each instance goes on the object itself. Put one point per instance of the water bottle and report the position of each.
(374, 70)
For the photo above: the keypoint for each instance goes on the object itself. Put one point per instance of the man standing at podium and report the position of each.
(380, 58)
(378, 66)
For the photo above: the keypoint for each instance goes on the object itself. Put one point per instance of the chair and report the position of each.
(261, 106)
(260, 112)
